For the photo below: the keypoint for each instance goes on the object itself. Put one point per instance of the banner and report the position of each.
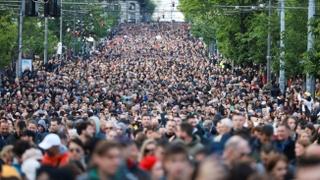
(26, 64)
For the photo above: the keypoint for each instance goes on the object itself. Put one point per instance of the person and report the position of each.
(308, 168)
(300, 148)
(170, 133)
(236, 148)
(31, 163)
(6, 155)
(176, 163)
(106, 159)
(238, 121)
(54, 126)
(153, 166)
(284, 143)
(148, 148)
(53, 156)
(185, 133)
(224, 127)
(77, 151)
(277, 167)
(5, 137)
(85, 131)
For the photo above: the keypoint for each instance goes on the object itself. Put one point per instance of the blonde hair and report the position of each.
(144, 146)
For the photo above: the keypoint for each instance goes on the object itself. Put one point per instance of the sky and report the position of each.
(166, 12)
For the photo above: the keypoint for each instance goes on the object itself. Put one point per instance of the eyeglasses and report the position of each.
(77, 150)
(108, 128)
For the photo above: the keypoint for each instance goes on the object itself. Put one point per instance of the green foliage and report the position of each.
(242, 33)
(8, 38)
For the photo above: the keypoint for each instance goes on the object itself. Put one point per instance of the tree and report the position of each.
(8, 38)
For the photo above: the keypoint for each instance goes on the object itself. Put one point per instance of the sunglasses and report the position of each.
(151, 150)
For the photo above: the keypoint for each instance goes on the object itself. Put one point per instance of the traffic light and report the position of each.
(52, 8)
(31, 8)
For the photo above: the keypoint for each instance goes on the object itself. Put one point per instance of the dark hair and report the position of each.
(77, 141)
(55, 120)
(104, 146)
(241, 170)
(174, 149)
(21, 125)
(82, 126)
(268, 148)
(267, 130)
(20, 147)
(29, 134)
(274, 159)
(186, 127)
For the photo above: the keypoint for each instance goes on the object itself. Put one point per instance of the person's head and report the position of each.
(4, 128)
(267, 151)
(32, 126)
(85, 129)
(301, 146)
(54, 126)
(192, 120)
(309, 168)
(148, 148)
(19, 149)
(107, 157)
(171, 127)
(292, 123)
(145, 120)
(310, 129)
(283, 132)
(236, 148)
(185, 131)
(76, 149)
(6, 154)
(20, 127)
(176, 161)
(211, 166)
(29, 136)
(224, 125)
(266, 133)
(109, 126)
(238, 121)
(277, 166)
(51, 144)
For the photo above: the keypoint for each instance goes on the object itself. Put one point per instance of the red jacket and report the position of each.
(57, 161)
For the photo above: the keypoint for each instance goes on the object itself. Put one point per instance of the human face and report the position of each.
(171, 127)
(150, 149)
(76, 151)
(32, 127)
(4, 128)
(299, 150)
(109, 127)
(109, 162)
(54, 127)
(157, 171)
(291, 123)
(193, 121)
(280, 170)
(90, 131)
(175, 165)
(238, 121)
(145, 121)
(283, 133)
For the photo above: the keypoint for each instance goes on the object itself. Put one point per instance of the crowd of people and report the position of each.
(150, 104)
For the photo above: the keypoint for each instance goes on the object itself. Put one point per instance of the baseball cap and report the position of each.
(49, 141)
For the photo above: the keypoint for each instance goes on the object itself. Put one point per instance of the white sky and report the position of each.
(164, 7)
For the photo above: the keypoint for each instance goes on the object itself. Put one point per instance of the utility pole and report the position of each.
(310, 81)
(61, 44)
(282, 53)
(269, 45)
(45, 56)
(21, 14)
